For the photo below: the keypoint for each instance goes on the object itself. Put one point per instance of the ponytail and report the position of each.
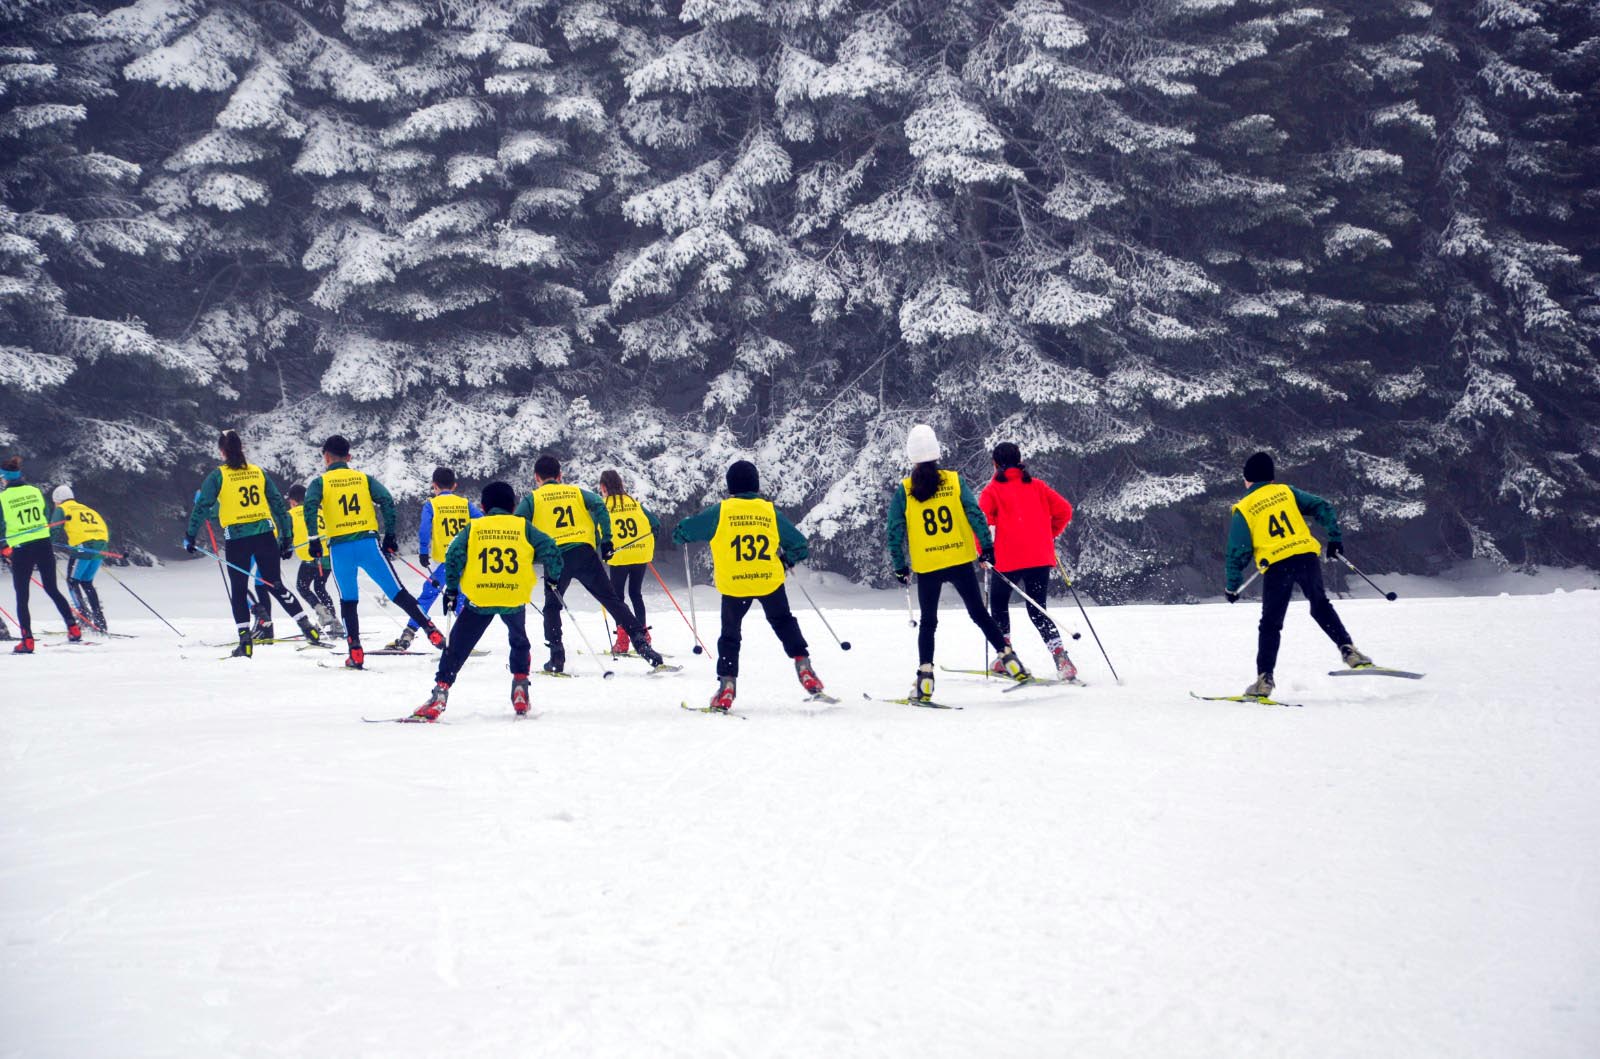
(925, 480)
(232, 449)
(612, 481)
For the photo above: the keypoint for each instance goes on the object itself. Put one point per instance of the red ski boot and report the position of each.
(24, 645)
(357, 659)
(519, 693)
(430, 710)
(808, 676)
(620, 648)
(436, 637)
(722, 701)
(74, 633)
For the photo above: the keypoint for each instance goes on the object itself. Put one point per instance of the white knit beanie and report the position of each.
(922, 446)
(63, 492)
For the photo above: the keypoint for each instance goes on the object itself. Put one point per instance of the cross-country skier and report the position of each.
(25, 544)
(575, 519)
(311, 580)
(633, 538)
(489, 564)
(934, 516)
(752, 544)
(353, 508)
(83, 534)
(444, 514)
(1027, 516)
(256, 535)
(1269, 531)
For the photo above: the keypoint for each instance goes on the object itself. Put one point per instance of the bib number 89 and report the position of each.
(937, 520)
(748, 547)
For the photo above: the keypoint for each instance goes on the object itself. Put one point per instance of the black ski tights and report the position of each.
(1035, 581)
(25, 558)
(964, 579)
(1277, 585)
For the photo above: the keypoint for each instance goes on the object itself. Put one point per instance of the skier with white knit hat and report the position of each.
(936, 529)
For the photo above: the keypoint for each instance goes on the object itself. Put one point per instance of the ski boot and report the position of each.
(1013, 666)
(247, 646)
(998, 666)
(620, 648)
(403, 641)
(519, 693)
(1065, 670)
(922, 684)
(357, 659)
(262, 632)
(649, 654)
(74, 633)
(1354, 658)
(308, 630)
(5, 632)
(808, 676)
(331, 625)
(722, 698)
(1262, 688)
(558, 659)
(24, 645)
(435, 637)
(430, 710)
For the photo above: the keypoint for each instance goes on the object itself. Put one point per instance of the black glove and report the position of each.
(188, 545)
(1335, 549)
(903, 575)
(607, 549)
(450, 596)
(390, 545)
(422, 561)
(1233, 597)
(987, 555)
(285, 549)
(314, 547)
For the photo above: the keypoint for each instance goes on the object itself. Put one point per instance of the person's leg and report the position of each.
(928, 588)
(591, 574)
(775, 605)
(552, 617)
(464, 636)
(44, 558)
(237, 553)
(343, 558)
(426, 595)
(734, 608)
(1000, 601)
(1309, 577)
(20, 569)
(1276, 587)
(618, 576)
(305, 580)
(1035, 581)
(965, 581)
(372, 560)
(517, 635)
(270, 569)
(636, 593)
(319, 584)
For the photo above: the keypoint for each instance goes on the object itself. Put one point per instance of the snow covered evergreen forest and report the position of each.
(1140, 237)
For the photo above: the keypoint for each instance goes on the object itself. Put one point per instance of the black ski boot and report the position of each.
(558, 659)
(247, 645)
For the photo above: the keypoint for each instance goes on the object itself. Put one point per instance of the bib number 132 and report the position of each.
(748, 547)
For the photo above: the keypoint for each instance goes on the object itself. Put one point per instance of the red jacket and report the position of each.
(1027, 518)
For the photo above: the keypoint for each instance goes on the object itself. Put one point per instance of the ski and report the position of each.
(261, 643)
(408, 719)
(1376, 671)
(629, 654)
(925, 703)
(552, 673)
(822, 696)
(975, 672)
(328, 664)
(1258, 700)
(386, 653)
(67, 643)
(1043, 682)
(656, 671)
(708, 709)
(317, 645)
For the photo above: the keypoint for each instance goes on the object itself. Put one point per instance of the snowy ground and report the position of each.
(207, 858)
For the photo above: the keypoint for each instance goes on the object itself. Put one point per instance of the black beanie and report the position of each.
(499, 495)
(743, 478)
(1259, 468)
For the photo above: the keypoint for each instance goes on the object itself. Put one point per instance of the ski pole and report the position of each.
(231, 566)
(12, 616)
(83, 619)
(140, 598)
(694, 619)
(844, 645)
(605, 674)
(421, 573)
(1027, 598)
(911, 615)
(1087, 622)
(1390, 596)
(606, 619)
(1252, 580)
(699, 647)
(226, 588)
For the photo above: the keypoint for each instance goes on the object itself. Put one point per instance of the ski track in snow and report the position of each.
(217, 858)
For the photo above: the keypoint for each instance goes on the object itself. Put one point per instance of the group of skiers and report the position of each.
(479, 558)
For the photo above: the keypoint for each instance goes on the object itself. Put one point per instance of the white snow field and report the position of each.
(210, 858)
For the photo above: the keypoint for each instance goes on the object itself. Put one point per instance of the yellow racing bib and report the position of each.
(559, 511)
(631, 539)
(451, 513)
(302, 539)
(744, 550)
(499, 570)
(83, 523)
(243, 496)
(1277, 528)
(347, 505)
(937, 529)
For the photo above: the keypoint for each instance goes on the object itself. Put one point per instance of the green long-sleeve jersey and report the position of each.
(380, 498)
(703, 526)
(896, 529)
(1241, 548)
(205, 507)
(545, 552)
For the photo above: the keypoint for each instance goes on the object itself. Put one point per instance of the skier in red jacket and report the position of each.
(1027, 517)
